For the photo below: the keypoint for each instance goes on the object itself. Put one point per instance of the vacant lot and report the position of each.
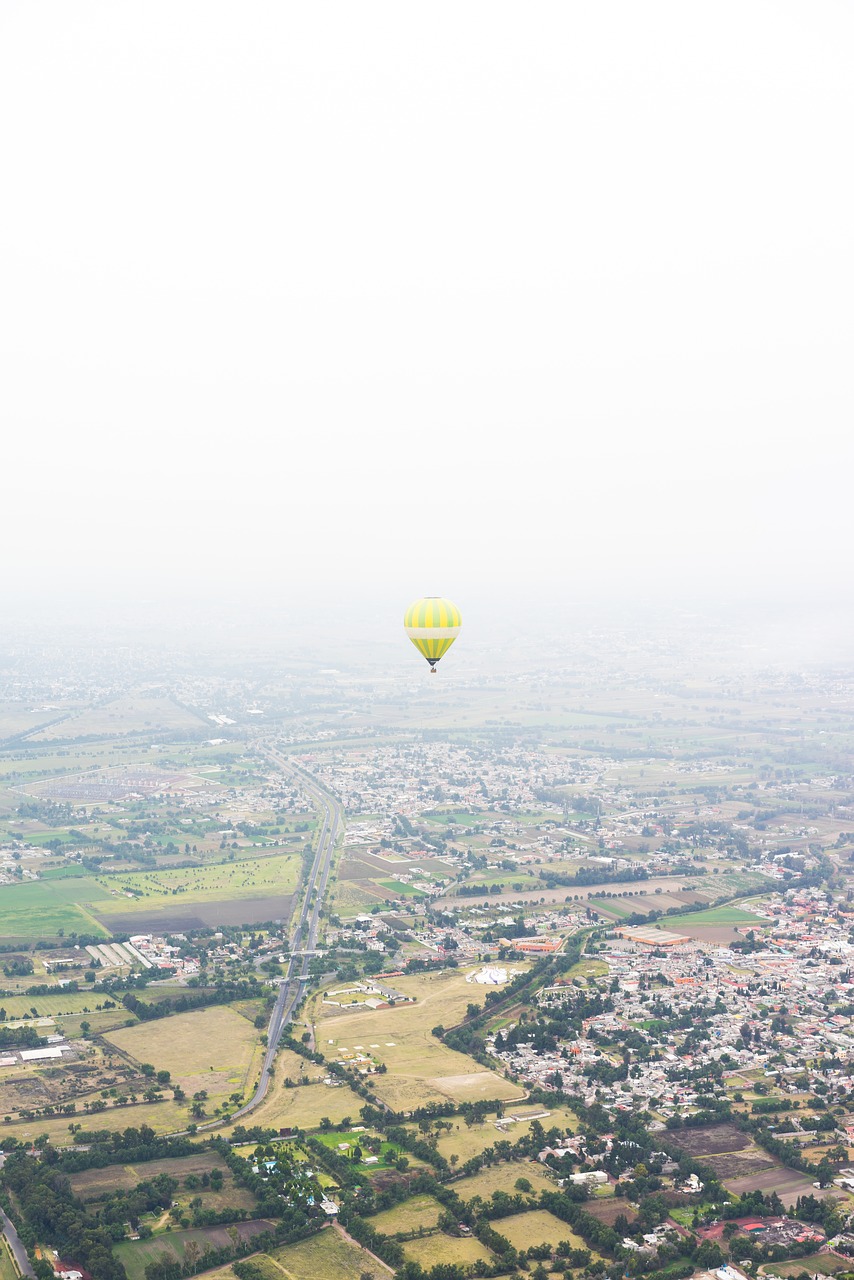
(135, 1255)
(327, 1256)
(420, 1068)
(213, 1049)
(418, 1211)
(537, 1227)
(439, 1248)
(503, 1177)
(710, 1140)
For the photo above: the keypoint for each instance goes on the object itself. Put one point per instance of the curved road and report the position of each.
(304, 938)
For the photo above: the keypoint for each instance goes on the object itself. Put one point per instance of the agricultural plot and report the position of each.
(710, 1140)
(39, 909)
(135, 1255)
(411, 1215)
(420, 1067)
(130, 714)
(431, 1251)
(213, 1049)
(327, 1256)
(537, 1227)
(244, 892)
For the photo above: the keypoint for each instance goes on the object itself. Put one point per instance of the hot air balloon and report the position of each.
(432, 624)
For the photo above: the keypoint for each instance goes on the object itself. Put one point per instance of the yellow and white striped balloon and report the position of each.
(432, 624)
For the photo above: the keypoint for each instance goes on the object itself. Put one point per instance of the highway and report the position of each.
(304, 936)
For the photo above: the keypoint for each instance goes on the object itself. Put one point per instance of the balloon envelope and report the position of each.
(432, 624)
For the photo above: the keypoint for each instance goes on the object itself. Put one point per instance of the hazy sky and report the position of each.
(407, 299)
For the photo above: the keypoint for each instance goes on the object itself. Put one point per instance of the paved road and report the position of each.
(304, 937)
(14, 1240)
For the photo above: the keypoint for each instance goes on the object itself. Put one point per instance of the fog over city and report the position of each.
(354, 303)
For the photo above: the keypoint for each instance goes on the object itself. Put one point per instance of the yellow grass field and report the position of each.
(537, 1227)
(162, 1117)
(213, 1049)
(465, 1142)
(304, 1106)
(420, 1068)
(417, 1211)
(327, 1256)
(432, 1250)
(503, 1177)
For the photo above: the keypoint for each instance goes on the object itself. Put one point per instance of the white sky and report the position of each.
(426, 298)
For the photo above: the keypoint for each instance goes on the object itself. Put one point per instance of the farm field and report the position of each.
(417, 1211)
(430, 1251)
(537, 1227)
(230, 893)
(503, 1177)
(465, 1141)
(213, 1049)
(327, 1256)
(420, 1067)
(39, 909)
(135, 1255)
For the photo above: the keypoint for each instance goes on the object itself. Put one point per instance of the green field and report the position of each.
(222, 881)
(402, 890)
(537, 1227)
(41, 908)
(432, 1250)
(825, 1264)
(714, 915)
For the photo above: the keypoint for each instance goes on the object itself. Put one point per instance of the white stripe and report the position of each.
(432, 633)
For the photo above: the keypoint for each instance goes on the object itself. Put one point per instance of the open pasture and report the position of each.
(420, 1067)
(537, 1227)
(411, 1215)
(329, 1255)
(503, 1177)
(135, 1255)
(465, 1140)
